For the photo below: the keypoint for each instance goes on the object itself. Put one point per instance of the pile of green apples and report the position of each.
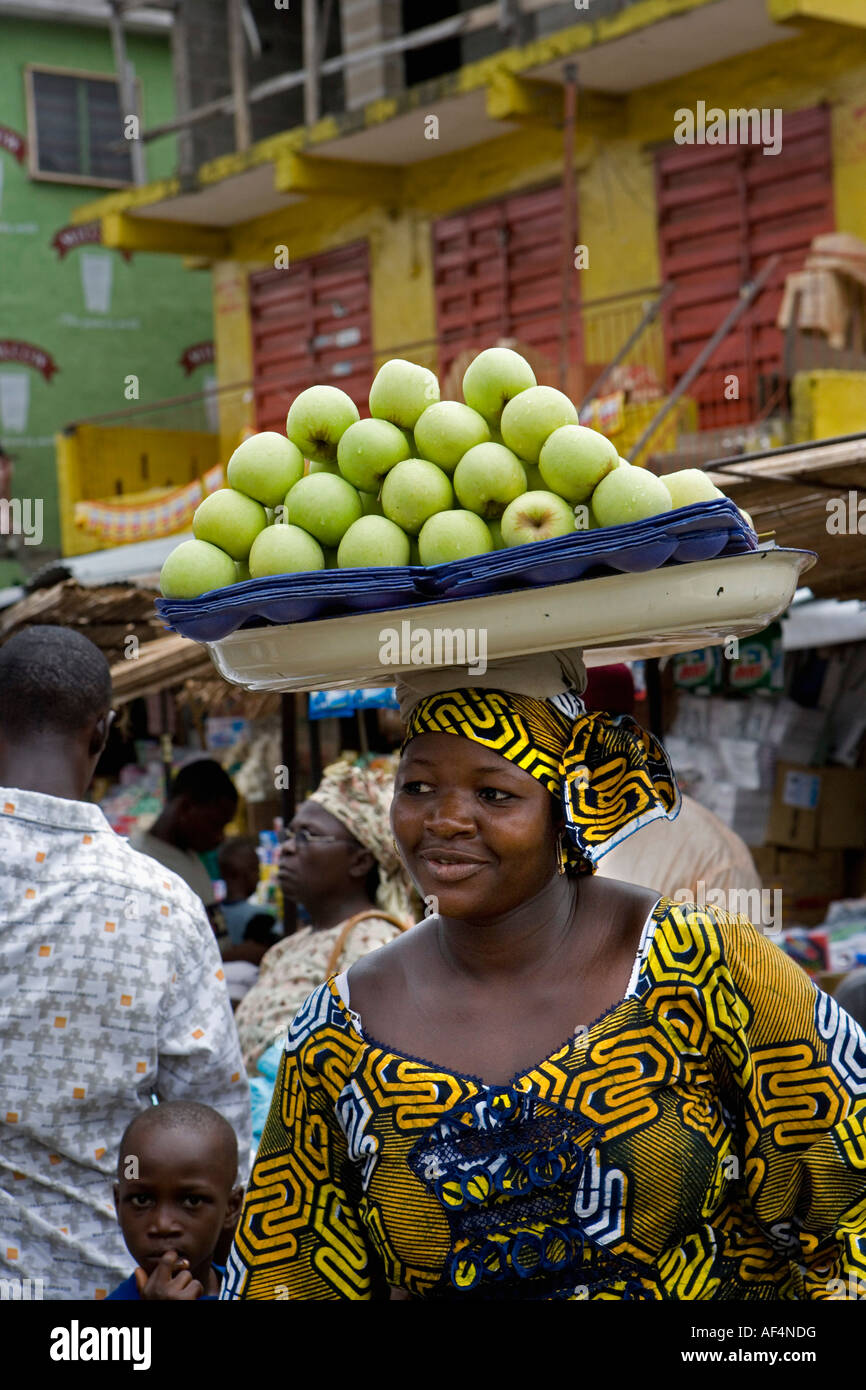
(422, 481)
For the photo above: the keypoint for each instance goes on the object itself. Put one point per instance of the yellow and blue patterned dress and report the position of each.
(704, 1139)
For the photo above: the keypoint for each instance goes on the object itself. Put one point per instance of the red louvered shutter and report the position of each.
(723, 211)
(311, 325)
(498, 274)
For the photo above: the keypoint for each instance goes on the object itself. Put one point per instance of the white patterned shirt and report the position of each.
(111, 990)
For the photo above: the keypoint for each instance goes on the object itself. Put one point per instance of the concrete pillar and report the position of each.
(365, 23)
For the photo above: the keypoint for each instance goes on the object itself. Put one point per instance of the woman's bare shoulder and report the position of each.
(388, 964)
(616, 894)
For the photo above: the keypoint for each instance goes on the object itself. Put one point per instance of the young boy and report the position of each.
(239, 870)
(175, 1196)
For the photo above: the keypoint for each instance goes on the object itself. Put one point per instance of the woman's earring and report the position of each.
(560, 856)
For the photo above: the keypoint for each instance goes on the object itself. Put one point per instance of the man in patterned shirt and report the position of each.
(111, 984)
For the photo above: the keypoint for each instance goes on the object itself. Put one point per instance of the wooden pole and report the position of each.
(655, 704)
(315, 751)
(311, 63)
(288, 794)
(748, 293)
(238, 66)
(569, 194)
(127, 92)
(180, 57)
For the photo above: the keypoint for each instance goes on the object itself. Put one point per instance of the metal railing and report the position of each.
(619, 333)
(508, 16)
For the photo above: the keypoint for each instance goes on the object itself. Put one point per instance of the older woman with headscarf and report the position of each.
(559, 1086)
(340, 861)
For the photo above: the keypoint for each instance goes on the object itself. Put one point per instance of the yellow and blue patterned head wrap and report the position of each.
(609, 775)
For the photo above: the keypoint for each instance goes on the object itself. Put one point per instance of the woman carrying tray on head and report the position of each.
(559, 1086)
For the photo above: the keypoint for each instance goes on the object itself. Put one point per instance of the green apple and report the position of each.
(265, 466)
(573, 461)
(330, 554)
(229, 519)
(323, 506)
(414, 556)
(530, 419)
(415, 490)
(401, 392)
(494, 378)
(487, 478)
(196, 567)
(629, 494)
(747, 517)
(243, 571)
(536, 516)
(317, 466)
(621, 462)
(494, 526)
(373, 540)
(317, 420)
(690, 485)
(284, 549)
(534, 480)
(453, 536)
(446, 431)
(368, 451)
(370, 504)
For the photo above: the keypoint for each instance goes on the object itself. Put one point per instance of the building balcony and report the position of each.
(239, 146)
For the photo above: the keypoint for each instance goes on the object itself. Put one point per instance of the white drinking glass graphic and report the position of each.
(211, 402)
(14, 401)
(97, 270)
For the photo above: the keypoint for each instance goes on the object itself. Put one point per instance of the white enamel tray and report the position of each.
(620, 617)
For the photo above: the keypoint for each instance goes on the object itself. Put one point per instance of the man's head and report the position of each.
(55, 710)
(201, 802)
(239, 867)
(176, 1174)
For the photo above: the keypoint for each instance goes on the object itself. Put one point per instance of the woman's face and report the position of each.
(476, 832)
(322, 855)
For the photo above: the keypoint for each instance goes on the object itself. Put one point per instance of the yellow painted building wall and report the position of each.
(98, 462)
(827, 403)
(616, 192)
(233, 351)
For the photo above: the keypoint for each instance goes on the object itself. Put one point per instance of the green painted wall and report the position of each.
(154, 310)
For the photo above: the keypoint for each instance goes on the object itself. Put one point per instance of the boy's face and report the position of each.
(183, 1198)
(241, 876)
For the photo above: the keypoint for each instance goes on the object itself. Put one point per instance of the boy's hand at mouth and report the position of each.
(170, 1280)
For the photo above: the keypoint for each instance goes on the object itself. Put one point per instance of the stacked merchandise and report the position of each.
(790, 779)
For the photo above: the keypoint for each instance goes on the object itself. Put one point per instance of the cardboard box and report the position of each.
(842, 809)
(793, 822)
(818, 808)
(808, 881)
(766, 859)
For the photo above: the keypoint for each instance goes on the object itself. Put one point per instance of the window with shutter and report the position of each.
(74, 121)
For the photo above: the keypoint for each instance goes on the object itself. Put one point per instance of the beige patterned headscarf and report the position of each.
(359, 795)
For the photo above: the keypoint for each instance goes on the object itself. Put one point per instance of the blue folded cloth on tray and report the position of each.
(703, 531)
